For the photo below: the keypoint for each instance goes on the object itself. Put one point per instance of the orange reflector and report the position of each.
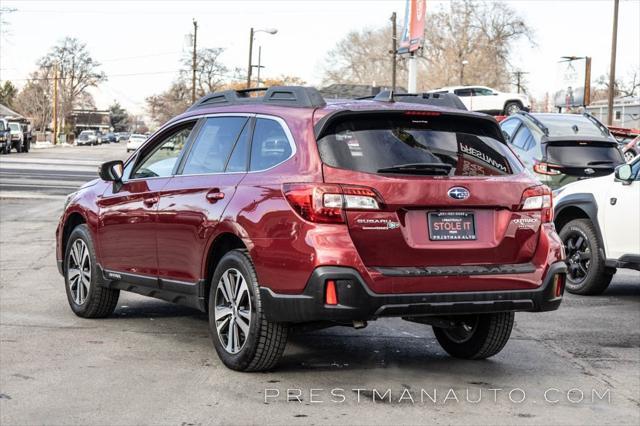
(331, 297)
(559, 281)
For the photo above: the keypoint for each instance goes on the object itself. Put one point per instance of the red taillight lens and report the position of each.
(331, 297)
(538, 198)
(545, 169)
(325, 203)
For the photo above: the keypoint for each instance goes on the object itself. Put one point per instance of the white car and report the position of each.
(135, 141)
(487, 100)
(598, 221)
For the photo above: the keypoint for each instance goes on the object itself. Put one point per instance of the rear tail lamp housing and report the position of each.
(327, 203)
(543, 168)
(538, 198)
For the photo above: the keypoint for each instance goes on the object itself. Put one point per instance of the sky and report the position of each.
(140, 43)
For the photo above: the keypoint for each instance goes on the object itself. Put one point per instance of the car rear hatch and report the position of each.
(581, 158)
(447, 190)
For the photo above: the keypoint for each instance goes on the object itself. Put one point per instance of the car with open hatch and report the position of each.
(285, 211)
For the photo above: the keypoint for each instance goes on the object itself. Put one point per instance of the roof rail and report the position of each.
(438, 99)
(537, 122)
(292, 96)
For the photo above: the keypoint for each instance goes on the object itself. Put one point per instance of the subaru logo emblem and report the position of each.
(459, 193)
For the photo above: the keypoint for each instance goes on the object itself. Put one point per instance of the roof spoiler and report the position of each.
(448, 100)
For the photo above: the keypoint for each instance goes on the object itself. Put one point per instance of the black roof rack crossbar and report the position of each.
(537, 122)
(293, 96)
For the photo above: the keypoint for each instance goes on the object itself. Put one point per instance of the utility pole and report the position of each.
(519, 75)
(587, 81)
(55, 103)
(194, 61)
(394, 51)
(250, 54)
(612, 69)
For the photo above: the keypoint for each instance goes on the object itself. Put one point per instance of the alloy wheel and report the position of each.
(578, 253)
(512, 109)
(79, 271)
(232, 310)
(464, 330)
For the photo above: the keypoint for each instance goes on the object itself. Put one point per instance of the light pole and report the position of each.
(465, 62)
(251, 35)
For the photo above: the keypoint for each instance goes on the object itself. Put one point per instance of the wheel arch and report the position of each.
(221, 244)
(578, 206)
(73, 220)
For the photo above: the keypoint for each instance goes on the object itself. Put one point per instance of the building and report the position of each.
(626, 111)
(89, 119)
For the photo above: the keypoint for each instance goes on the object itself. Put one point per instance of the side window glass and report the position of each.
(510, 126)
(270, 145)
(478, 91)
(462, 92)
(160, 162)
(213, 145)
(521, 139)
(238, 159)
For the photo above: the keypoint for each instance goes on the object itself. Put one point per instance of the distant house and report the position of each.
(89, 119)
(354, 91)
(9, 114)
(626, 111)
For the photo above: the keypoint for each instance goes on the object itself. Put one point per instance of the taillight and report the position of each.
(538, 198)
(423, 113)
(326, 203)
(545, 169)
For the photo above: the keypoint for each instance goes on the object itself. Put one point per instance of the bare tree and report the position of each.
(210, 71)
(77, 71)
(170, 103)
(480, 34)
(35, 99)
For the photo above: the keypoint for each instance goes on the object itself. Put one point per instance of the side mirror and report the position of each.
(623, 172)
(111, 171)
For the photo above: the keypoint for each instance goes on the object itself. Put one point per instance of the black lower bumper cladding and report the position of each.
(358, 302)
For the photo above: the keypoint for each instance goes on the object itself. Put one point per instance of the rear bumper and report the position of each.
(358, 302)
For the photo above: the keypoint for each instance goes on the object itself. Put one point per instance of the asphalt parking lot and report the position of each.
(153, 362)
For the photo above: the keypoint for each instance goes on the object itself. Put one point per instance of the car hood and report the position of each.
(591, 185)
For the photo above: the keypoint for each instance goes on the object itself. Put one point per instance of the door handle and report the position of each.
(149, 202)
(214, 195)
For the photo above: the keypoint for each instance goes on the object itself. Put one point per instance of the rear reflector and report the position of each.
(331, 297)
(558, 281)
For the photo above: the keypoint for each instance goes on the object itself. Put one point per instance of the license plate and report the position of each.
(451, 226)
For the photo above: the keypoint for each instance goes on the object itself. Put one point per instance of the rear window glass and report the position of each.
(371, 146)
(583, 154)
(570, 125)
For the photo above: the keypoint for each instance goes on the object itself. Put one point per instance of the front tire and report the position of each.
(86, 298)
(243, 338)
(587, 273)
(476, 336)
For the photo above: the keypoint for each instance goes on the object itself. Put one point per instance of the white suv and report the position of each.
(598, 221)
(487, 100)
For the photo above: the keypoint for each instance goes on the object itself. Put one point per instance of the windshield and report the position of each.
(410, 146)
(86, 133)
(14, 126)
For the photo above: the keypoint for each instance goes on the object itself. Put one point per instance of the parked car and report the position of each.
(123, 136)
(281, 210)
(487, 100)
(87, 137)
(5, 136)
(135, 141)
(17, 136)
(632, 149)
(599, 223)
(562, 148)
(109, 138)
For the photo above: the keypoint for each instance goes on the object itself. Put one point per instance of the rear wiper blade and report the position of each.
(419, 168)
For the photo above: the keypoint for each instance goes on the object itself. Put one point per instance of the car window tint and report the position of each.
(478, 91)
(160, 162)
(523, 138)
(270, 145)
(510, 126)
(462, 92)
(1, 126)
(238, 160)
(213, 145)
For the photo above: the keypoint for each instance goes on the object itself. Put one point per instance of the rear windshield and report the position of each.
(571, 125)
(371, 146)
(583, 154)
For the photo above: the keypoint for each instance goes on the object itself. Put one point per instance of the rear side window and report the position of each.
(583, 154)
(510, 126)
(238, 160)
(213, 145)
(375, 146)
(463, 92)
(270, 145)
(524, 139)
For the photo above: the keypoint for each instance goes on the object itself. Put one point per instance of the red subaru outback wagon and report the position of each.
(273, 211)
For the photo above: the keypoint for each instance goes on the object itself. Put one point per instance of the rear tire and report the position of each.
(256, 346)
(587, 273)
(86, 297)
(512, 108)
(478, 336)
